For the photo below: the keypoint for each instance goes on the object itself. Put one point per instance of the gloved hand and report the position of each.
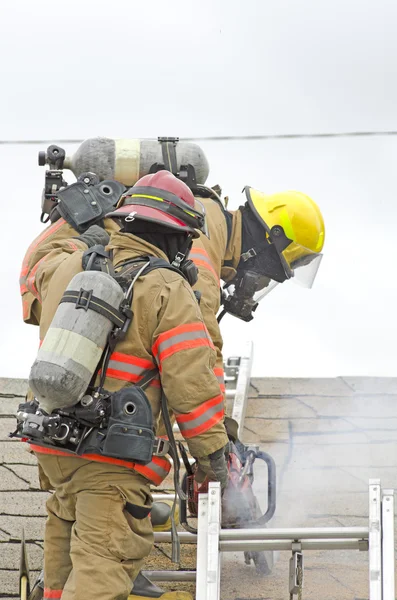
(94, 235)
(213, 466)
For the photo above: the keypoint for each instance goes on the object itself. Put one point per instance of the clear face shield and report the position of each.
(284, 259)
(305, 269)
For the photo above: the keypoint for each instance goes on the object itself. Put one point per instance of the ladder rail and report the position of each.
(388, 584)
(242, 386)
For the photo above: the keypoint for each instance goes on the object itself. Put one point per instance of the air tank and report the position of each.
(129, 160)
(74, 343)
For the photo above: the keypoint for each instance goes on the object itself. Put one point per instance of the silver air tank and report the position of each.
(129, 160)
(73, 345)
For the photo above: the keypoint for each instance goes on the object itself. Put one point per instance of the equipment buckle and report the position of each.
(161, 447)
(83, 299)
(249, 254)
(168, 139)
(178, 260)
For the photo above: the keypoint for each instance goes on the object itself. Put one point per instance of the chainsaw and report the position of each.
(240, 507)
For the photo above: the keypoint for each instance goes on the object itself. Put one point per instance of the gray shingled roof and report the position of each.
(328, 437)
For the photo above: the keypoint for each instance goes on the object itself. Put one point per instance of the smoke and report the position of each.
(328, 438)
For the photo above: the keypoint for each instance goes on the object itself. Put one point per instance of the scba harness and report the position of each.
(117, 425)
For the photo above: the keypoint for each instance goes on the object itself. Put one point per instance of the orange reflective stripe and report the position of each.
(183, 337)
(72, 245)
(202, 418)
(49, 594)
(156, 471)
(31, 280)
(43, 236)
(195, 250)
(179, 329)
(133, 360)
(129, 368)
(219, 374)
(201, 259)
(187, 345)
(25, 308)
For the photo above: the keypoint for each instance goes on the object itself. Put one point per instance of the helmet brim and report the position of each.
(130, 212)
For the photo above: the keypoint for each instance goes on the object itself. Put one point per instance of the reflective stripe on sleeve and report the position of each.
(202, 418)
(50, 594)
(183, 337)
(26, 304)
(43, 236)
(72, 245)
(201, 259)
(31, 280)
(218, 372)
(129, 368)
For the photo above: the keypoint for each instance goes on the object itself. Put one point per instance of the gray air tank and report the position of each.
(73, 345)
(129, 160)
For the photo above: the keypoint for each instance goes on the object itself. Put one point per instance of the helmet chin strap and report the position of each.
(182, 253)
(185, 265)
(258, 255)
(253, 235)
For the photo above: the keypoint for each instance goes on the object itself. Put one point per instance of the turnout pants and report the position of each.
(93, 547)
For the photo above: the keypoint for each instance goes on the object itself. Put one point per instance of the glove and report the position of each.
(94, 235)
(214, 467)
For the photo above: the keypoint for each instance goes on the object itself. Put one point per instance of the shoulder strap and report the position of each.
(126, 275)
(130, 267)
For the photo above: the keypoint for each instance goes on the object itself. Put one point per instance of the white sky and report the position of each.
(142, 69)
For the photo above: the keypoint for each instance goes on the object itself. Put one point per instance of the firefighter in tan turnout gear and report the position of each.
(241, 249)
(97, 518)
(244, 247)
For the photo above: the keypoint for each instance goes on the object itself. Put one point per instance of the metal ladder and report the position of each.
(377, 539)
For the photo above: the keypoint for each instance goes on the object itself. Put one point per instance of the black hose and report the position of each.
(222, 314)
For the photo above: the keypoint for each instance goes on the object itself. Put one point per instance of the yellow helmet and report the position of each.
(294, 225)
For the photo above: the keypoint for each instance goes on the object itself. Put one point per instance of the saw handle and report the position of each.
(183, 518)
(271, 486)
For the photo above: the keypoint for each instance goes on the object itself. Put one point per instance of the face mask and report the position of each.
(242, 295)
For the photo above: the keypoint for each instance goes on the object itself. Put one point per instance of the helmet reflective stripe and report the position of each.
(160, 200)
(286, 224)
